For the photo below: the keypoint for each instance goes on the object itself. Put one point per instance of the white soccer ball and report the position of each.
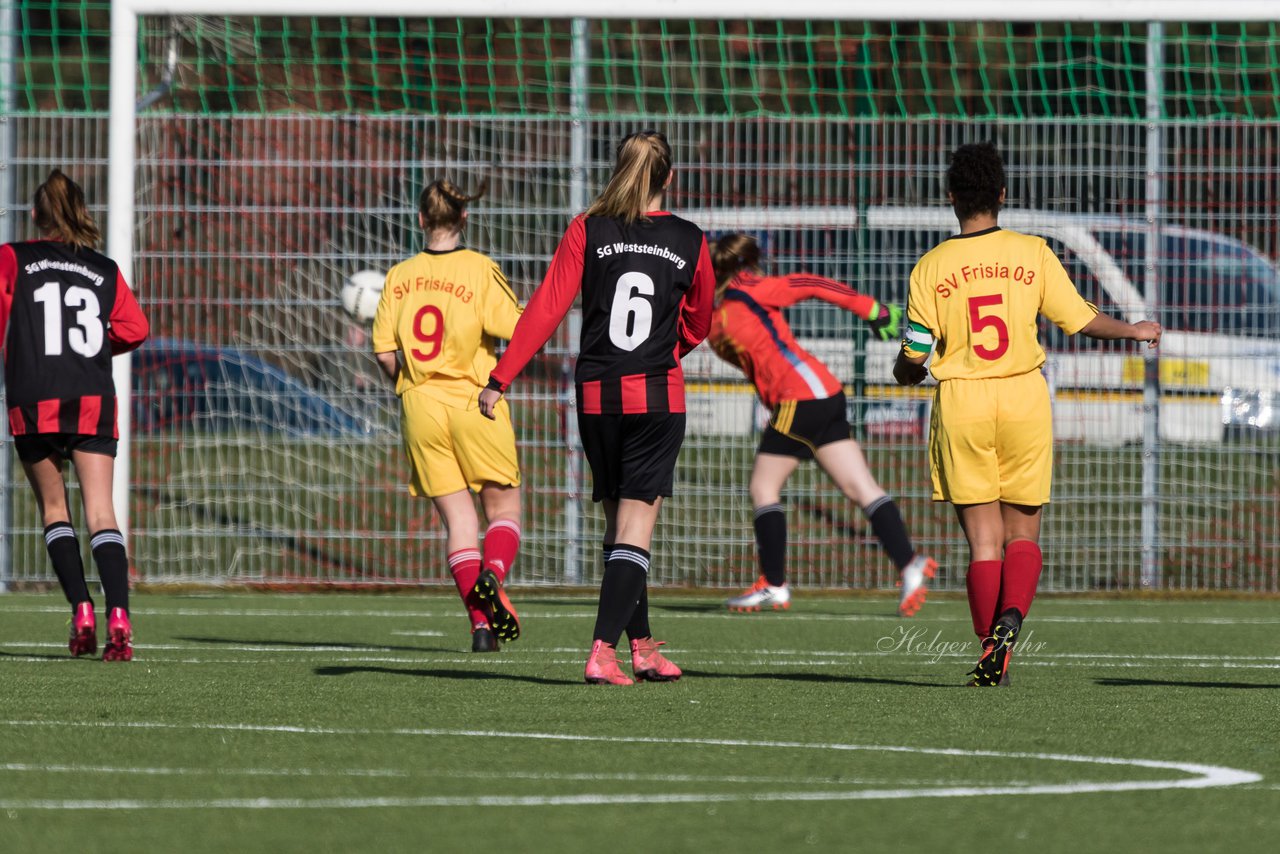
(361, 293)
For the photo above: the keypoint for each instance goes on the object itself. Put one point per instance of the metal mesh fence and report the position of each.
(290, 152)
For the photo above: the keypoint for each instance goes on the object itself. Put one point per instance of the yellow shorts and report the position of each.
(452, 448)
(992, 439)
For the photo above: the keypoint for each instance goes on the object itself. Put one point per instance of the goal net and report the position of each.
(276, 157)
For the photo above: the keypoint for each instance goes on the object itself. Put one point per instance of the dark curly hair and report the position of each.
(975, 179)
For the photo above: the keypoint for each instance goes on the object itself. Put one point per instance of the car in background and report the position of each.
(189, 385)
(1218, 300)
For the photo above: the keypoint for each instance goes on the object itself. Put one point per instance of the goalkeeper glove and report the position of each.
(885, 321)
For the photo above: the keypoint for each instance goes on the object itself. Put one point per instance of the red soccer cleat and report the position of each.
(119, 637)
(650, 665)
(992, 670)
(84, 631)
(602, 666)
(494, 601)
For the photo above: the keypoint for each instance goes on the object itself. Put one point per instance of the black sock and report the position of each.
(886, 521)
(639, 626)
(64, 553)
(624, 581)
(113, 567)
(771, 543)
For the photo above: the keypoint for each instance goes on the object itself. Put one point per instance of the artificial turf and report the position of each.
(343, 722)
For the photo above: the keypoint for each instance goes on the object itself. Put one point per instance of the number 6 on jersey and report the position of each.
(631, 316)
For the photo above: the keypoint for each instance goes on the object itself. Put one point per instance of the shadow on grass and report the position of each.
(310, 644)
(347, 670)
(718, 607)
(1125, 683)
(818, 677)
(44, 656)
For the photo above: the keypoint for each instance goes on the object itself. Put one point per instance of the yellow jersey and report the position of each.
(443, 312)
(977, 296)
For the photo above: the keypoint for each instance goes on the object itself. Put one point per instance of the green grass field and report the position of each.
(341, 722)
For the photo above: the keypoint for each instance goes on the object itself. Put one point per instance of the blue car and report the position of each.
(185, 384)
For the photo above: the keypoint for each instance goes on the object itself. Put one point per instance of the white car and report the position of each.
(1218, 300)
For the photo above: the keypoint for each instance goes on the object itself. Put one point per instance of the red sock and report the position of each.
(1022, 564)
(501, 542)
(983, 582)
(465, 566)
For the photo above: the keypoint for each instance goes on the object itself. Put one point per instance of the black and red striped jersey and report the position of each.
(647, 291)
(64, 313)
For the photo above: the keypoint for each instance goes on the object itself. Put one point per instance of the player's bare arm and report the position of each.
(489, 398)
(1105, 327)
(389, 362)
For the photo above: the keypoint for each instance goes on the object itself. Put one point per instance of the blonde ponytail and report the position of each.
(641, 172)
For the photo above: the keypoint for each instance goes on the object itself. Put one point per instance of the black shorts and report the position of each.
(632, 456)
(799, 427)
(34, 447)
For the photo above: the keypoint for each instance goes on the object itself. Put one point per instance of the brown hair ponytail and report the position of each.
(732, 254)
(442, 204)
(61, 213)
(641, 172)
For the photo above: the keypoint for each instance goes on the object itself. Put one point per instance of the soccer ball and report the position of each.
(361, 293)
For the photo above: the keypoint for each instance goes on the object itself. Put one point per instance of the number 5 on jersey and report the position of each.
(978, 322)
(631, 316)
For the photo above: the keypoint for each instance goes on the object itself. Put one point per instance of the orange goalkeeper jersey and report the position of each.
(749, 331)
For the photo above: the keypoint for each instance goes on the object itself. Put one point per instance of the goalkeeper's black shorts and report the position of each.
(799, 427)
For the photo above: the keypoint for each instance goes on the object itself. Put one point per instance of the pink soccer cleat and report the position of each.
(602, 666)
(649, 664)
(84, 631)
(119, 637)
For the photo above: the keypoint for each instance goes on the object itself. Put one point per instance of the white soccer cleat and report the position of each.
(915, 581)
(761, 595)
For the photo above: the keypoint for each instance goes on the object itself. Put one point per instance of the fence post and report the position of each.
(9, 21)
(578, 108)
(1150, 576)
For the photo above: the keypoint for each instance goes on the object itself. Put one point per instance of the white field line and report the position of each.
(422, 634)
(480, 775)
(796, 657)
(577, 662)
(790, 616)
(203, 772)
(1203, 776)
